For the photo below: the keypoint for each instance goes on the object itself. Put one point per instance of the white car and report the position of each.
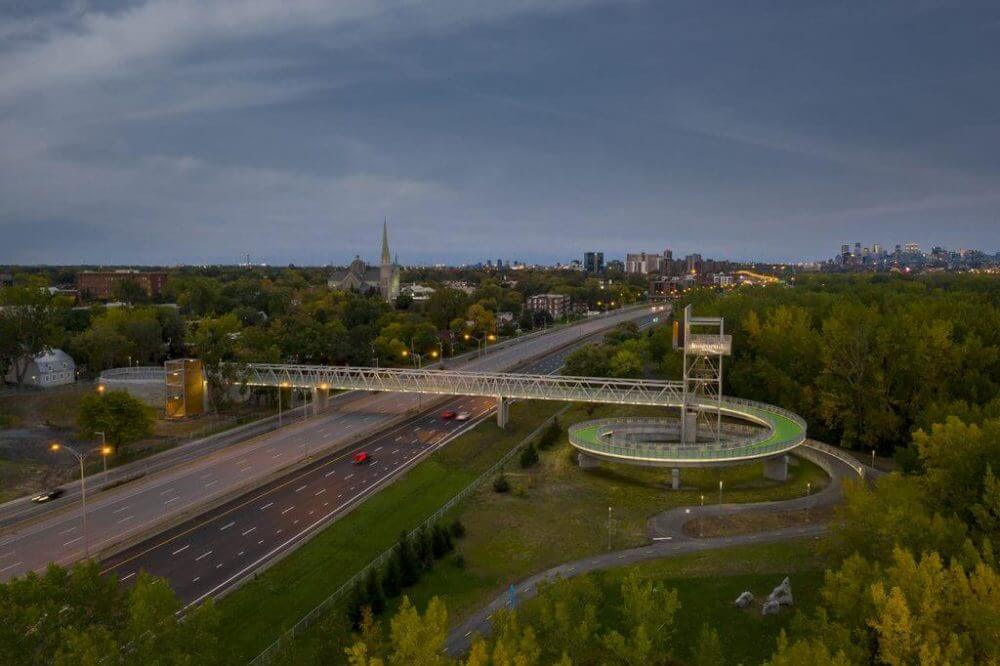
(463, 416)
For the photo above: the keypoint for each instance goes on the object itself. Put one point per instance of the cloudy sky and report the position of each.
(190, 131)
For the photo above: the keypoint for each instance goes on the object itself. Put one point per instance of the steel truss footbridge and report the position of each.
(772, 430)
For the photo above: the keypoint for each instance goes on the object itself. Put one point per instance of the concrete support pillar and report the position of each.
(585, 461)
(320, 399)
(675, 479)
(690, 426)
(503, 411)
(776, 468)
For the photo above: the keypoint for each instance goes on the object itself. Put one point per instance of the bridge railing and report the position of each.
(455, 382)
(755, 445)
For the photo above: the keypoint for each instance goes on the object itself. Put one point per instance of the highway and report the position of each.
(130, 513)
(205, 556)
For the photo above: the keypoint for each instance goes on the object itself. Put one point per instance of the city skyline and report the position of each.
(162, 132)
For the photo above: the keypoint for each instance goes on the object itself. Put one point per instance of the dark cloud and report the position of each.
(183, 131)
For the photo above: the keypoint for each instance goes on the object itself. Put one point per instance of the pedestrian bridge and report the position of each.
(769, 430)
(501, 385)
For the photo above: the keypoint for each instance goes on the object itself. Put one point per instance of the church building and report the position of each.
(368, 279)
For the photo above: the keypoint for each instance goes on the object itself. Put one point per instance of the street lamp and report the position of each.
(283, 386)
(105, 452)
(808, 503)
(55, 447)
(701, 517)
(609, 529)
(720, 491)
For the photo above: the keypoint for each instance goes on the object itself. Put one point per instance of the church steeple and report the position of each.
(386, 257)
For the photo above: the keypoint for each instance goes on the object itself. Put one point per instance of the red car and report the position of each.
(362, 457)
(448, 415)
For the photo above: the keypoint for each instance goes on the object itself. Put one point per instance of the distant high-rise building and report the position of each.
(693, 263)
(912, 248)
(593, 262)
(857, 249)
(643, 263)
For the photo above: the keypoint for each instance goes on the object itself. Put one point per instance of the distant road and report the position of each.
(128, 514)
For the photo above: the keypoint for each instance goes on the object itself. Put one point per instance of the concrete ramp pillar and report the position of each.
(675, 478)
(776, 468)
(320, 400)
(585, 461)
(503, 411)
(690, 427)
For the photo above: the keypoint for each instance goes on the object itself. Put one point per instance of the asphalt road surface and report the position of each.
(668, 540)
(127, 513)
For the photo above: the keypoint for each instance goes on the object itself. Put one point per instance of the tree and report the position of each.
(626, 364)
(409, 567)
(122, 418)
(419, 639)
(588, 361)
(215, 341)
(529, 456)
(709, 649)
(373, 592)
(29, 325)
(551, 434)
(129, 292)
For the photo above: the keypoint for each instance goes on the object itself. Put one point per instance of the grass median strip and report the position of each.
(258, 613)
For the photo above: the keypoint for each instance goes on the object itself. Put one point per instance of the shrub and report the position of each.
(373, 592)
(519, 491)
(457, 529)
(550, 435)
(501, 484)
(529, 456)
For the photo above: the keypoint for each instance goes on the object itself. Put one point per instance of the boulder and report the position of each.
(770, 607)
(782, 594)
(744, 599)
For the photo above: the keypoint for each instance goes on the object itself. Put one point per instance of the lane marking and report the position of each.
(203, 556)
(125, 578)
(287, 510)
(10, 566)
(72, 541)
(332, 471)
(227, 526)
(172, 499)
(210, 484)
(168, 490)
(267, 505)
(300, 488)
(249, 531)
(125, 519)
(181, 550)
(348, 476)
(318, 493)
(120, 510)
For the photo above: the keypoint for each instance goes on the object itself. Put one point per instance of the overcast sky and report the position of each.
(191, 131)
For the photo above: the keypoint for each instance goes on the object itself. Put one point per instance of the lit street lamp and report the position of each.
(720, 491)
(105, 452)
(80, 457)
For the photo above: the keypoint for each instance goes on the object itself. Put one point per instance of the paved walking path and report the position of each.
(670, 540)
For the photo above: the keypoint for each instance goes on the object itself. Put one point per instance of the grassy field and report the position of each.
(556, 512)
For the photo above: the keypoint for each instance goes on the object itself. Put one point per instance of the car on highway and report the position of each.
(448, 414)
(47, 496)
(362, 457)
(463, 416)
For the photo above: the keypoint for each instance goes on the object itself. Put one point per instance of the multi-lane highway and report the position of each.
(204, 556)
(130, 513)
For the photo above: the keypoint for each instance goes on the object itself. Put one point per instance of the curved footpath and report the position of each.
(670, 539)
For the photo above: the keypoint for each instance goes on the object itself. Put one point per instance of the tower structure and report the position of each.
(704, 344)
(388, 269)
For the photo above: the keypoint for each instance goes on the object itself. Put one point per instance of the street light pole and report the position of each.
(720, 491)
(609, 529)
(104, 453)
(279, 404)
(701, 518)
(83, 490)
(808, 503)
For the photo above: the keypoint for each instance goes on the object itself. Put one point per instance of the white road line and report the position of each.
(276, 455)
(318, 493)
(172, 499)
(267, 505)
(125, 578)
(168, 490)
(278, 532)
(181, 550)
(72, 541)
(227, 526)
(196, 579)
(120, 510)
(287, 510)
(348, 476)
(260, 542)
(240, 554)
(395, 452)
(68, 531)
(249, 531)
(10, 566)
(300, 488)
(378, 449)
(399, 438)
(203, 556)
(330, 472)
(210, 484)
(125, 519)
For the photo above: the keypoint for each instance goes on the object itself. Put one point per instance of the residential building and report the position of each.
(101, 285)
(417, 292)
(616, 266)
(557, 305)
(643, 263)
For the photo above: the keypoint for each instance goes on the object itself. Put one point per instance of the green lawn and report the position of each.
(558, 512)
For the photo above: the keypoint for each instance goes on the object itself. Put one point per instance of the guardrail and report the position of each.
(758, 445)
(135, 372)
(271, 651)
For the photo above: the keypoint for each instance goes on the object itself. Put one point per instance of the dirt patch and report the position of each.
(751, 523)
